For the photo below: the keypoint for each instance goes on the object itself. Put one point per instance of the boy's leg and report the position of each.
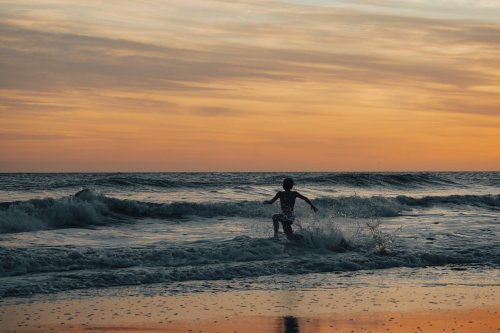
(287, 227)
(276, 224)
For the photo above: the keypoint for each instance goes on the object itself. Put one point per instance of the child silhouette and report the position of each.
(287, 203)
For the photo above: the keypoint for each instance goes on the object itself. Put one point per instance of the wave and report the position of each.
(378, 206)
(159, 181)
(29, 182)
(369, 179)
(49, 269)
(87, 208)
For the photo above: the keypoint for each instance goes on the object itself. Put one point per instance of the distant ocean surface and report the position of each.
(163, 228)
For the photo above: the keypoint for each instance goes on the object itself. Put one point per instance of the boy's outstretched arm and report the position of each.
(308, 201)
(273, 199)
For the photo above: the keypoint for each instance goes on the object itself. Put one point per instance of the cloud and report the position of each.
(18, 136)
(287, 42)
(353, 45)
(146, 103)
(467, 107)
(214, 111)
(35, 60)
(28, 105)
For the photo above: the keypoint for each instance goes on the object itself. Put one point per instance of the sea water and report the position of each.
(87, 231)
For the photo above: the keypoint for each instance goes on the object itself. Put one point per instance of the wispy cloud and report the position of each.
(25, 105)
(214, 111)
(343, 44)
(18, 136)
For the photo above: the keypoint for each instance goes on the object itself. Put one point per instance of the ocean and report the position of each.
(205, 230)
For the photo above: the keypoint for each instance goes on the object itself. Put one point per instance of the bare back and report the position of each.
(287, 201)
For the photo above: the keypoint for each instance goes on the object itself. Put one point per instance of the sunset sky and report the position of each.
(235, 85)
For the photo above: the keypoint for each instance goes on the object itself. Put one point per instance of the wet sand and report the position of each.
(397, 308)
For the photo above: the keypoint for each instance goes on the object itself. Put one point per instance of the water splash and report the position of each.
(370, 235)
(342, 234)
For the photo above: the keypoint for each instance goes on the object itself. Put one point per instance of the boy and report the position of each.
(287, 202)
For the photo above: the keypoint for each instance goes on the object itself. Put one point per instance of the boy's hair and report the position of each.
(288, 183)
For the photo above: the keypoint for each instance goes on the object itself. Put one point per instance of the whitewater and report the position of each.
(85, 231)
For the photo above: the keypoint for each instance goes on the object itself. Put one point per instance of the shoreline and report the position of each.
(403, 303)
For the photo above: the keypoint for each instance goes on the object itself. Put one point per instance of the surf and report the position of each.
(89, 208)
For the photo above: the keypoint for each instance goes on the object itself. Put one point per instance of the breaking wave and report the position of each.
(87, 208)
(65, 268)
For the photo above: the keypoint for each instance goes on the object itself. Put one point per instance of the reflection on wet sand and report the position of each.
(290, 324)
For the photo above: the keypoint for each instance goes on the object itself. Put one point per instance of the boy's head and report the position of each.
(288, 184)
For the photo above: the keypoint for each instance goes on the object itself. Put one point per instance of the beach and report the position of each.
(397, 300)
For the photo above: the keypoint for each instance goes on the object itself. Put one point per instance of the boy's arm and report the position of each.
(307, 200)
(273, 199)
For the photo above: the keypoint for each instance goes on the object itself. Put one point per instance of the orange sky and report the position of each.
(225, 85)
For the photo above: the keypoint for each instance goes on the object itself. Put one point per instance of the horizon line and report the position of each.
(228, 171)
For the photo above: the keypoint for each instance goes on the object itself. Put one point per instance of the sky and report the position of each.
(249, 85)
